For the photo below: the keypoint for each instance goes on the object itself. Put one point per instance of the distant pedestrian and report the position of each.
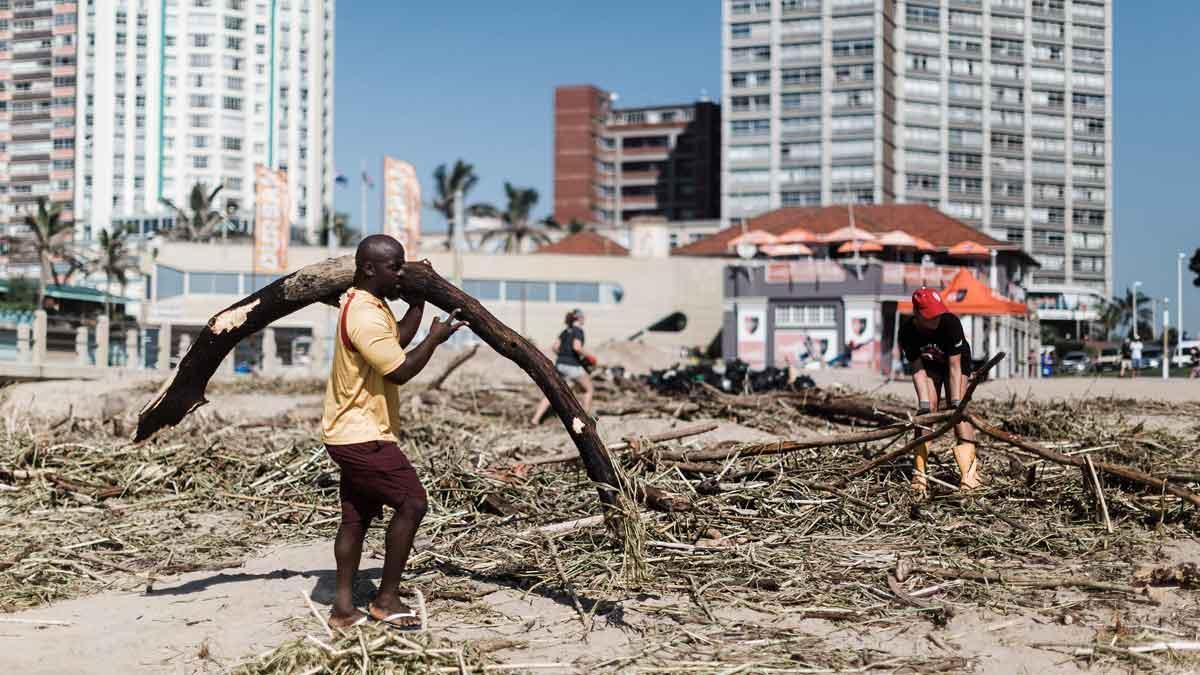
(1195, 352)
(1135, 353)
(571, 361)
(1126, 357)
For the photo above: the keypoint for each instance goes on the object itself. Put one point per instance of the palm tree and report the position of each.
(114, 260)
(459, 177)
(339, 224)
(200, 222)
(48, 234)
(517, 229)
(1118, 312)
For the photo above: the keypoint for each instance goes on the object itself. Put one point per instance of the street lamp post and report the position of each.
(1179, 300)
(1166, 362)
(1135, 310)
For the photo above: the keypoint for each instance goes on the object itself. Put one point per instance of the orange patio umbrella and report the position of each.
(861, 247)
(755, 237)
(902, 239)
(969, 249)
(848, 233)
(785, 250)
(796, 235)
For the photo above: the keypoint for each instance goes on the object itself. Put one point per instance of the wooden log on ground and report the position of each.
(1127, 473)
(325, 281)
(674, 434)
(720, 453)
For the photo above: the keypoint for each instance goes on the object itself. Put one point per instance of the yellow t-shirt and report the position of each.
(360, 405)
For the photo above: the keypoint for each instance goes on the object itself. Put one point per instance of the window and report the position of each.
(168, 283)
(750, 127)
(1089, 33)
(964, 138)
(801, 76)
(1008, 142)
(1087, 194)
(856, 98)
(844, 124)
(1048, 191)
(962, 115)
(792, 198)
(1049, 169)
(753, 78)
(199, 162)
(1088, 148)
(233, 43)
(200, 60)
(231, 143)
(1010, 213)
(966, 19)
(1008, 24)
(808, 51)
(1052, 263)
(200, 101)
(920, 38)
(1007, 71)
(1089, 240)
(923, 63)
(1088, 217)
(960, 43)
(1089, 172)
(805, 316)
(923, 182)
(740, 7)
(923, 88)
(964, 90)
(1008, 95)
(918, 14)
(853, 48)
(1007, 48)
(800, 27)
(968, 210)
(528, 291)
(1048, 122)
(1088, 80)
(930, 136)
(1088, 125)
(853, 172)
(859, 22)
(482, 289)
(922, 159)
(749, 153)
(747, 176)
(199, 141)
(801, 125)
(798, 152)
(576, 292)
(1044, 145)
(233, 23)
(201, 121)
(924, 111)
(969, 67)
(1008, 188)
(801, 101)
(962, 185)
(853, 149)
(1088, 264)
(1047, 99)
(200, 40)
(1048, 29)
(752, 54)
(800, 174)
(220, 283)
(1091, 57)
(1007, 118)
(862, 72)
(1045, 51)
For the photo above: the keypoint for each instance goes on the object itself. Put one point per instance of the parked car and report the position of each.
(1075, 363)
(1108, 361)
(1152, 356)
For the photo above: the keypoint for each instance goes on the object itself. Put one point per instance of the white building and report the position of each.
(178, 92)
(997, 112)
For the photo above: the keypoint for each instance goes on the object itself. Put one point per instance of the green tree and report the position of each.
(1194, 266)
(1118, 313)
(114, 259)
(516, 229)
(49, 238)
(199, 222)
(339, 224)
(461, 176)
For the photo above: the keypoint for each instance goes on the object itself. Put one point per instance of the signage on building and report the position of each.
(752, 336)
(272, 228)
(402, 204)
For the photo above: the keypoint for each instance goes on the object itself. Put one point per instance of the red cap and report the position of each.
(927, 303)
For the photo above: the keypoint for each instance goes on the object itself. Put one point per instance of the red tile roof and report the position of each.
(585, 242)
(919, 220)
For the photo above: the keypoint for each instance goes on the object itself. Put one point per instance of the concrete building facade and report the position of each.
(612, 165)
(179, 92)
(997, 112)
(37, 107)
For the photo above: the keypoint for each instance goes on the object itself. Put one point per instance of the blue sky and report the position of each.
(432, 82)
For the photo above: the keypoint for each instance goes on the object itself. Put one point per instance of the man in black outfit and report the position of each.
(934, 344)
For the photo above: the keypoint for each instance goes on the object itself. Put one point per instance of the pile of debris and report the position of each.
(731, 377)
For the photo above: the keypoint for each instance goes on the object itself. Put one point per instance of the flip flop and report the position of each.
(396, 619)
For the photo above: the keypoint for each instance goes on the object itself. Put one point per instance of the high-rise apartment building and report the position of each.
(997, 112)
(37, 107)
(178, 92)
(612, 165)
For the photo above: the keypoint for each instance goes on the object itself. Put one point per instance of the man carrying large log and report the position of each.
(361, 422)
(934, 344)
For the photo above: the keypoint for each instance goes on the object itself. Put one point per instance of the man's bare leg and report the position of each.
(347, 551)
(399, 540)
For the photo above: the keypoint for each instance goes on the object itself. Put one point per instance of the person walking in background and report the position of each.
(934, 343)
(1195, 352)
(571, 361)
(1135, 353)
(1126, 357)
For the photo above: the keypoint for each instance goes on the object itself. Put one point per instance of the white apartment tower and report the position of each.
(178, 92)
(997, 112)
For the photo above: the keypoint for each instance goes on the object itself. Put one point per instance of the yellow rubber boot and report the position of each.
(920, 460)
(968, 466)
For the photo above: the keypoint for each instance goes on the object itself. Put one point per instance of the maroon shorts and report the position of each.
(373, 474)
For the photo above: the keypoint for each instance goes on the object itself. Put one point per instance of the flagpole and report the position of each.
(363, 189)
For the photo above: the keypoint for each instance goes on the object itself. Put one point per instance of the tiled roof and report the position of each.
(585, 242)
(919, 220)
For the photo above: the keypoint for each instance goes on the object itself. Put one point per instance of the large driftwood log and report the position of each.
(325, 282)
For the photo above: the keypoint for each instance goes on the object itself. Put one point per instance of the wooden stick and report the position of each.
(1034, 582)
(35, 622)
(778, 447)
(453, 366)
(1099, 492)
(320, 619)
(674, 434)
(280, 502)
(1127, 473)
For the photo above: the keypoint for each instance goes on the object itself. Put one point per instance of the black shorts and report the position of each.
(374, 474)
